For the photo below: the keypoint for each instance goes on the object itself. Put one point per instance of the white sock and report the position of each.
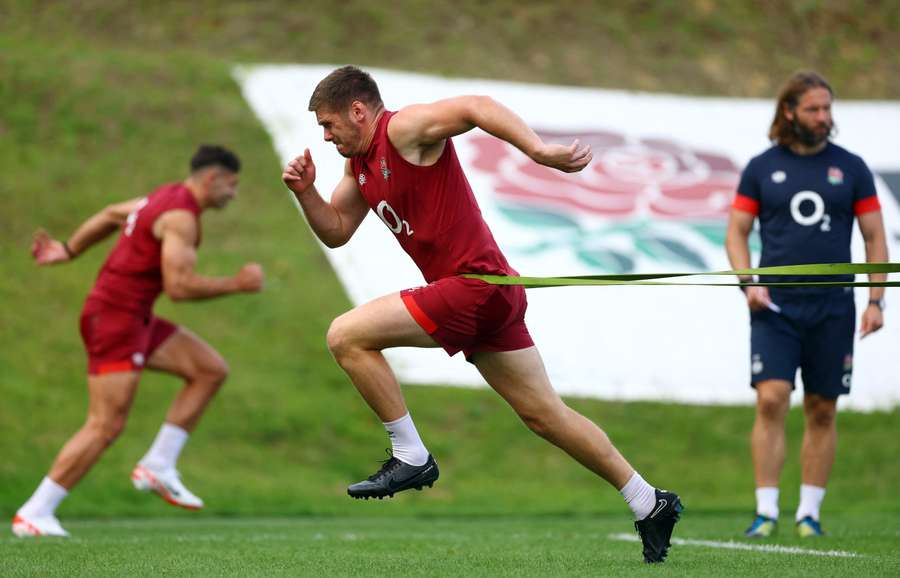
(164, 452)
(639, 495)
(767, 502)
(810, 501)
(406, 444)
(44, 500)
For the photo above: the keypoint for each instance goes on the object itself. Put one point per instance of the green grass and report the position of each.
(98, 104)
(515, 546)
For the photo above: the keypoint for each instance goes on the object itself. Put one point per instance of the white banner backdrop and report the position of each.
(654, 199)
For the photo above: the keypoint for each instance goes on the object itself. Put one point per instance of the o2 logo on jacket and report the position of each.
(816, 217)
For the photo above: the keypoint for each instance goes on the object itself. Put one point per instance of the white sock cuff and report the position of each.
(55, 487)
(767, 501)
(810, 501)
(176, 432)
(634, 482)
(812, 490)
(406, 445)
(166, 448)
(639, 495)
(45, 500)
(397, 421)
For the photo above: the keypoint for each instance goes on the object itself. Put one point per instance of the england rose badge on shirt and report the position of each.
(835, 176)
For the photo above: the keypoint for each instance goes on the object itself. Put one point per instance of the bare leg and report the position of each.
(767, 437)
(202, 368)
(520, 378)
(356, 339)
(819, 439)
(110, 400)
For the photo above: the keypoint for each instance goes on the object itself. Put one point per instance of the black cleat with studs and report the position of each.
(656, 529)
(395, 476)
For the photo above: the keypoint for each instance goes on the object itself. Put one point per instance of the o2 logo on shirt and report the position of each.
(133, 215)
(816, 217)
(398, 224)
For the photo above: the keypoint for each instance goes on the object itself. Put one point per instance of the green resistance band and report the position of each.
(646, 278)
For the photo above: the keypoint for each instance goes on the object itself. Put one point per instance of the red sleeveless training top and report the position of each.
(431, 210)
(131, 277)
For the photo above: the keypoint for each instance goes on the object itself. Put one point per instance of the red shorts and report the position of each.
(470, 315)
(120, 340)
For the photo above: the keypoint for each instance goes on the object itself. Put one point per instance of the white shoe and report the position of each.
(33, 526)
(167, 484)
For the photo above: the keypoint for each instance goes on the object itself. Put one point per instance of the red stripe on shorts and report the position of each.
(420, 316)
(114, 367)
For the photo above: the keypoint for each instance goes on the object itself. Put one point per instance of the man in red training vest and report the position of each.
(402, 165)
(156, 252)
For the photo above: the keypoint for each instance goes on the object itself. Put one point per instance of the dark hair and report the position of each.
(214, 155)
(339, 89)
(782, 130)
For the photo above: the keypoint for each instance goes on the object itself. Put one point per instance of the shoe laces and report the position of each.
(387, 466)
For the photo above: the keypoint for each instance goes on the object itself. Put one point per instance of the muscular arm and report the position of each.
(47, 250)
(419, 131)
(178, 231)
(333, 222)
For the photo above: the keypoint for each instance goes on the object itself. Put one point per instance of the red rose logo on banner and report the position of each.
(670, 201)
(653, 178)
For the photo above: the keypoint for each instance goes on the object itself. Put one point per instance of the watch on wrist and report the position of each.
(877, 303)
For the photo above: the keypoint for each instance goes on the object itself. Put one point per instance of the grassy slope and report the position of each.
(690, 46)
(98, 105)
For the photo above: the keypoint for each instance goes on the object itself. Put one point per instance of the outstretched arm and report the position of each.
(48, 251)
(423, 126)
(333, 222)
(178, 231)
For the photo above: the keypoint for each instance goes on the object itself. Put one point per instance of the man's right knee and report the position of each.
(773, 399)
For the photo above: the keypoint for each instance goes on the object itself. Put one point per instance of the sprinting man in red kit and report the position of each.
(156, 252)
(402, 165)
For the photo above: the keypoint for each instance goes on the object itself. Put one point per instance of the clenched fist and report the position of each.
(300, 173)
(250, 278)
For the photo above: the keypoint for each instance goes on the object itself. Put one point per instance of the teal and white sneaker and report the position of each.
(807, 527)
(762, 527)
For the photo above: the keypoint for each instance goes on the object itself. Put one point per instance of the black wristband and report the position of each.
(744, 280)
(69, 250)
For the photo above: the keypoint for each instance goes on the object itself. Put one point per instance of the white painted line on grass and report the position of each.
(731, 545)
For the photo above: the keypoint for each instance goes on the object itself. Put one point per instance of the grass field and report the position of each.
(98, 104)
(514, 546)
